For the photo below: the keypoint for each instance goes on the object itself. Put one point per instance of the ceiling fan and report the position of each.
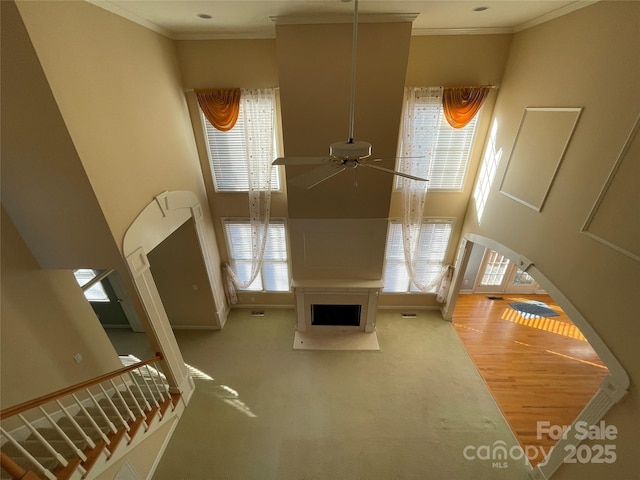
(342, 155)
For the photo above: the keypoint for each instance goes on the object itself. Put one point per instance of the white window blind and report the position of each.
(433, 243)
(228, 150)
(274, 276)
(96, 292)
(453, 146)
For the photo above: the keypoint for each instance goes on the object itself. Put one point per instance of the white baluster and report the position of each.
(135, 400)
(104, 415)
(46, 472)
(153, 379)
(64, 436)
(85, 437)
(43, 441)
(91, 420)
(152, 397)
(115, 409)
(144, 398)
(124, 403)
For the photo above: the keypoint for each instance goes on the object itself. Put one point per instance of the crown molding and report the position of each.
(323, 19)
(572, 7)
(121, 12)
(258, 35)
(326, 19)
(462, 31)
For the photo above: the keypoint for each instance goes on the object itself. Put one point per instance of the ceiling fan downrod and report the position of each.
(354, 52)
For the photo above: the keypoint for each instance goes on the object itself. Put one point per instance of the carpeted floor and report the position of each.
(407, 411)
(335, 340)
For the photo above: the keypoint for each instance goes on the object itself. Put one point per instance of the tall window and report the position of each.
(274, 275)
(229, 151)
(488, 170)
(452, 149)
(433, 243)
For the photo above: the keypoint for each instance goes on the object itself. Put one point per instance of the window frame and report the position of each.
(232, 261)
(411, 289)
(442, 124)
(277, 143)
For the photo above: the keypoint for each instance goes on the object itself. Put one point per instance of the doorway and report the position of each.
(498, 274)
(106, 294)
(516, 332)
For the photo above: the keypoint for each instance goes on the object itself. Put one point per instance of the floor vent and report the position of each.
(494, 297)
(409, 315)
(257, 313)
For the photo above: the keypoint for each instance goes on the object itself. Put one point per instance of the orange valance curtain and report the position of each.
(462, 103)
(220, 106)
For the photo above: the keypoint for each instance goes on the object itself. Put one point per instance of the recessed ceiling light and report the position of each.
(205, 16)
(480, 9)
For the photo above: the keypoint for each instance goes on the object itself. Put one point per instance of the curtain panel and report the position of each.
(221, 106)
(259, 126)
(416, 159)
(461, 104)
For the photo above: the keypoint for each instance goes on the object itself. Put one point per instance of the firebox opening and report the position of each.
(336, 315)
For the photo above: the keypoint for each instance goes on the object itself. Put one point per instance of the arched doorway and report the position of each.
(612, 388)
(157, 221)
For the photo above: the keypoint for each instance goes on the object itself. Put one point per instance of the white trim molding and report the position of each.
(632, 137)
(159, 219)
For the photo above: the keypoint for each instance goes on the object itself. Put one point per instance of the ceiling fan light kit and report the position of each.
(350, 154)
(350, 150)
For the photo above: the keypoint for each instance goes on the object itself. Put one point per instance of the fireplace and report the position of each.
(336, 315)
(325, 305)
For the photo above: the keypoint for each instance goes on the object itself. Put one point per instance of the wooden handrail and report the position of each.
(36, 402)
(11, 467)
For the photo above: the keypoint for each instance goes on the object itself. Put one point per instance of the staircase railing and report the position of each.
(64, 432)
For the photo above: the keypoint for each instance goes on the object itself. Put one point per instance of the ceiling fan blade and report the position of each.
(406, 175)
(301, 160)
(317, 175)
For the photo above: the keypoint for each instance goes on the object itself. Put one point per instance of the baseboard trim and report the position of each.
(409, 307)
(255, 306)
(195, 327)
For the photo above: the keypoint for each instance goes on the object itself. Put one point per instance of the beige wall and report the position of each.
(45, 321)
(587, 59)
(119, 90)
(178, 270)
(44, 186)
(118, 87)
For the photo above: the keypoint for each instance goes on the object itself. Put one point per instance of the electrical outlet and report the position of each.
(77, 357)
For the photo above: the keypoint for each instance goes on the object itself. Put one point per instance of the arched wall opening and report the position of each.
(157, 221)
(612, 389)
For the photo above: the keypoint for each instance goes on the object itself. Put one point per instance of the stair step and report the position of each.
(46, 460)
(35, 447)
(84, 423)
(64, 473)
(51, 434)
(93, 455)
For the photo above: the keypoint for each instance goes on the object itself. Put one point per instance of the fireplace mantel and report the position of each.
(336, 292)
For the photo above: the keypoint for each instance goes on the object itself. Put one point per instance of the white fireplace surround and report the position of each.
(336, 292)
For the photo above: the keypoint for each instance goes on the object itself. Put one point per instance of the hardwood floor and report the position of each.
(538, 369)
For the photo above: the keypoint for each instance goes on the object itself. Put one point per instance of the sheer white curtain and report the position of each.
(419, 137)
(259, 127)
